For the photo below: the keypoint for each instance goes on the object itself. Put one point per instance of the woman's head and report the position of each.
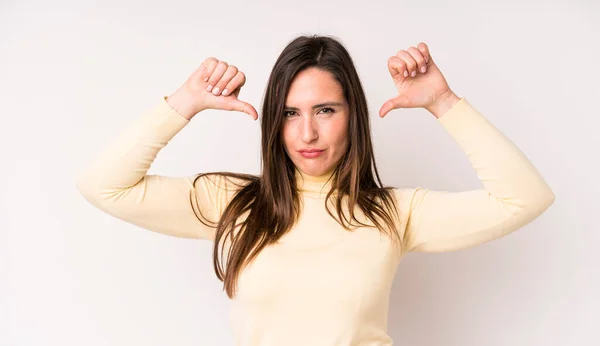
(313, 71)
(310, 71)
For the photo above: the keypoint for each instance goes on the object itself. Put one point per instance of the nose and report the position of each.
(309, 129)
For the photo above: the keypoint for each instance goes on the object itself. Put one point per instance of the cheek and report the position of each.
(288, 138)
(340, 135)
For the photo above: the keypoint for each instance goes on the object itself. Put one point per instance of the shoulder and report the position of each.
(225, 181)
(213, 191)
(221, 187)
(406, 198)
(406, 194)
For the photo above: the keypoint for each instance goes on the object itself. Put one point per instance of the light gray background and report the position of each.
(73, 74)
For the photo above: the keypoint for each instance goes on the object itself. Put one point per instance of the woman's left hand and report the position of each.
(418, 80)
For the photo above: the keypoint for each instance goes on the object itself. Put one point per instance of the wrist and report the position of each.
(443, 103)
(183, 103)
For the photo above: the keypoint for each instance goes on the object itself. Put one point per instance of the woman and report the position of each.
(308, 249)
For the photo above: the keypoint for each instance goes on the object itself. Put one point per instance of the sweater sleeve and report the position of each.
(513, 194)
(116, 182)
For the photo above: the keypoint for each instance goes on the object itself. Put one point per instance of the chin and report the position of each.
(314, 171)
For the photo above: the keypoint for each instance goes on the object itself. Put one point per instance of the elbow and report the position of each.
(538, 204)
(86, 186)
(89, 188)
(550, 198)
(544, 200)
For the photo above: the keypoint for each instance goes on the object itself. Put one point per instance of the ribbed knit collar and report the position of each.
(313, 185)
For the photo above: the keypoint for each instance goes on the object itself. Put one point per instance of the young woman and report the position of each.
(308, 249)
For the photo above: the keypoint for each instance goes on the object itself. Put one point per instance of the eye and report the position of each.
(331, 110)
(286, 113)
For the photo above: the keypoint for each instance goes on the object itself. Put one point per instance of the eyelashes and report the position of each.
(288, 114)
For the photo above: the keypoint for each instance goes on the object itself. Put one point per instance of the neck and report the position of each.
(315, 184)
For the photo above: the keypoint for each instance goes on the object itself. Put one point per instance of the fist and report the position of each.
(417, 78)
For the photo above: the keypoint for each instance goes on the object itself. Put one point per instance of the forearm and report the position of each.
(125, 160)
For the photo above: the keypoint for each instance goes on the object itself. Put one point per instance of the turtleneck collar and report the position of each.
(315, 185)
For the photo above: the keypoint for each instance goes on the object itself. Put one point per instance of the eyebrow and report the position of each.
(317, 106)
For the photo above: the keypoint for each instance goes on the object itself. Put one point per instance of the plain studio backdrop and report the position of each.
(74, 74)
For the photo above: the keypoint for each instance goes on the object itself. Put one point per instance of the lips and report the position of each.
(310, 153)
(310, 150)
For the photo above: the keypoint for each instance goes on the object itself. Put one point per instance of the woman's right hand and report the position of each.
(214, 85)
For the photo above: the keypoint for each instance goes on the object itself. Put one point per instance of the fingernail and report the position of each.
(414, 73)
(216, 91)
(209, 88)
(405, 74)
(225, 91)
(423, 69)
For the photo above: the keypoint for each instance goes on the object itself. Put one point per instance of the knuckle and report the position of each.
(211, 61)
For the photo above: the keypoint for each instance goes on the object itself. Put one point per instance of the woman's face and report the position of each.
(316, 117)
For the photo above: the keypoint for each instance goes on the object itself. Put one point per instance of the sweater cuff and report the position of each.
(165, 108)
(461, 117)
(162, 120)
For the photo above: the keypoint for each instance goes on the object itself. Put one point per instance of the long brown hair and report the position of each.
(270, 202)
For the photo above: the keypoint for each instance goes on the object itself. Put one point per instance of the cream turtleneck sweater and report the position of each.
(321, 285)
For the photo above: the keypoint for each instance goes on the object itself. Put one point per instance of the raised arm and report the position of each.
(513, 194)
(117, 181)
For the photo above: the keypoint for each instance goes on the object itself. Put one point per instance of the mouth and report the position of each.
(311, 153)
(310, 150)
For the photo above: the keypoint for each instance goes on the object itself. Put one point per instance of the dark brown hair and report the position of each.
(270, 202)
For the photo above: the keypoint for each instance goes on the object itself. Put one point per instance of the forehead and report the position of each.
(312, 86)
